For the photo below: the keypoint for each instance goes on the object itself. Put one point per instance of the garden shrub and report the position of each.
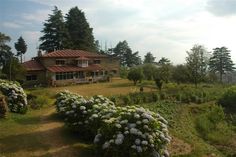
(135, 132)
(16, 97)
(3, 107)
(117, 131)
(228, 100)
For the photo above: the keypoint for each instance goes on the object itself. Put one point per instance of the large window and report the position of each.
(64, 75)
(31, 77)
(60, 62)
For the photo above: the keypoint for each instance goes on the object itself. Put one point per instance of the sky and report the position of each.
(166, 28)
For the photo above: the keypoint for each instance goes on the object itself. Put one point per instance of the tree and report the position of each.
(158, 79)
(221, 61)
(180, 74)
(197, 62)
(148, 71)
(124, 52)
(81, 34)
(135, 74)
(55, 36)
(20, 47)
(14, 69)
(164, 61)
(149, 58)
(5, 50)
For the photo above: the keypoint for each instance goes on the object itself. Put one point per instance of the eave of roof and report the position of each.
(67, 53)
(93, 67)
(33, 65)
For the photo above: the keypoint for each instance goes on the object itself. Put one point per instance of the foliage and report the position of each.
(55, 35)
(14, 70)
(197, 61)
(5, 50)
(164, 61)
(180, 74)
(135, 74)
(125, 54)
(124, 72)
(148, 71)
(16, 97)
(149, 58)
(3, 106)
(20, 47)
(135, 132)
(228, 99)
(81, 34)
(221, 61)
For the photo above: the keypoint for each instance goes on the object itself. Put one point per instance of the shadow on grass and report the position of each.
(34, 142)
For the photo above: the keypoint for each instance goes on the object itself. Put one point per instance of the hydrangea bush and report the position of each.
(16, 97)
(117, 131)
(134, 132)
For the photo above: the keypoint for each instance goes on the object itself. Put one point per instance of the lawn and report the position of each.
(41, 132)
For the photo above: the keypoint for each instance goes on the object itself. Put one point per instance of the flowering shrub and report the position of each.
(134, 132)
(16, 97)
(117, 131)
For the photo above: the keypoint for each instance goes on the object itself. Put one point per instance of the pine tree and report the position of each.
(81, 35)
(127, 57)
(221, 61)
(55, 33)
(149, 58)
(20, 47)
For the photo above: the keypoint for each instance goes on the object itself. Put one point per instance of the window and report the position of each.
(31, 77)
(60, 62)
(97, 61)
(64, 75)
(83, 63)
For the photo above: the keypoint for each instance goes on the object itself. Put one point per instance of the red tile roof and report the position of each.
(93, 67)
(71, 53)
(33, 65)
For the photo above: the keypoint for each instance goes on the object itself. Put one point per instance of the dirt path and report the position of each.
(53, 135)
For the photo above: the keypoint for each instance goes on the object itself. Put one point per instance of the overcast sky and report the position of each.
(167, 28)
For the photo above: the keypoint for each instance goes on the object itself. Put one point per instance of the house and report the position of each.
(63, 67)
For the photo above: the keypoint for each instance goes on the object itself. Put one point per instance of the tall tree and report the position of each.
(221, 61)
(197, 62)
(164, 61)
(81, 34)
(127, 57)
(5, 50)
(55, 33)
(180, 74)
(20, 47)
(149, 58)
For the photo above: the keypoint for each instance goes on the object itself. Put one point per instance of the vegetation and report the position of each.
(149, 58)
(135, 74)
(3, 106)
(5, 50)
(221, 61)
(228, 99)
(20, 47)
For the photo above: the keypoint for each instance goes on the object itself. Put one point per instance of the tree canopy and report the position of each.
(221, 61)
(20, 47)
(55, 35)
(124, 52)
(5, 50)
(81, 34)
(149, 58)
(197, 62)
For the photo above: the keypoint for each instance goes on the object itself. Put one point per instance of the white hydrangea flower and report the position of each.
(105, 145)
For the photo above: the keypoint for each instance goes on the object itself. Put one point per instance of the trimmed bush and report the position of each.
(16, 97)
